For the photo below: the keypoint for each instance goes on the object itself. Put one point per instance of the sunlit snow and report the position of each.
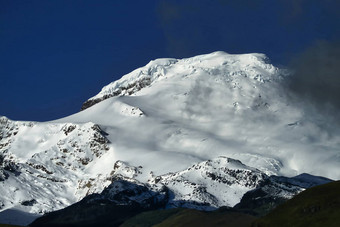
(189, 110)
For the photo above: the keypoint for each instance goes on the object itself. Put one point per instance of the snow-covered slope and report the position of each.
(210, 105)
(42, 163)
(165, 117)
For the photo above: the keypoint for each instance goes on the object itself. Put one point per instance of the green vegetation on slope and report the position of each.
(87, 213)
(317, 206)
(8, 225)
(189, 217)
(150, 218)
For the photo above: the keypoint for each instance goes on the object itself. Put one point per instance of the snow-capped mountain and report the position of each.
(126, 197)
(207, 185)
(208, 128)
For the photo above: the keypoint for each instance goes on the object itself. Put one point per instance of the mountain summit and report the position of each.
(196, 126)
(162, 68)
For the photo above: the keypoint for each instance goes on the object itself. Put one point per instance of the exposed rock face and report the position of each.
(211, 184)
(120, 91)
(132, 82)
(125, 191)
(8, 130)
(64, 151)
(275, 190)
(126, 196)
(7, 167)
(205, 186)
(123, 199)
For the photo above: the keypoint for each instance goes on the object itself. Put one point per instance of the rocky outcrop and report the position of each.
(62, 151)
(207, 185)
(275, 190)
(130, 89)
(126, 197)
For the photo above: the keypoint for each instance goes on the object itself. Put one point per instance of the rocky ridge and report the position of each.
(192, 188)
(206, 186)
(63, 156)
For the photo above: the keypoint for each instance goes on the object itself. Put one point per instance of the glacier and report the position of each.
(161, 119)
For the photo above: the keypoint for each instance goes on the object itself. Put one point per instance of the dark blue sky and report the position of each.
(56, 54)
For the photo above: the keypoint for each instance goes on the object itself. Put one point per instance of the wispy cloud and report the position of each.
(316, 74)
